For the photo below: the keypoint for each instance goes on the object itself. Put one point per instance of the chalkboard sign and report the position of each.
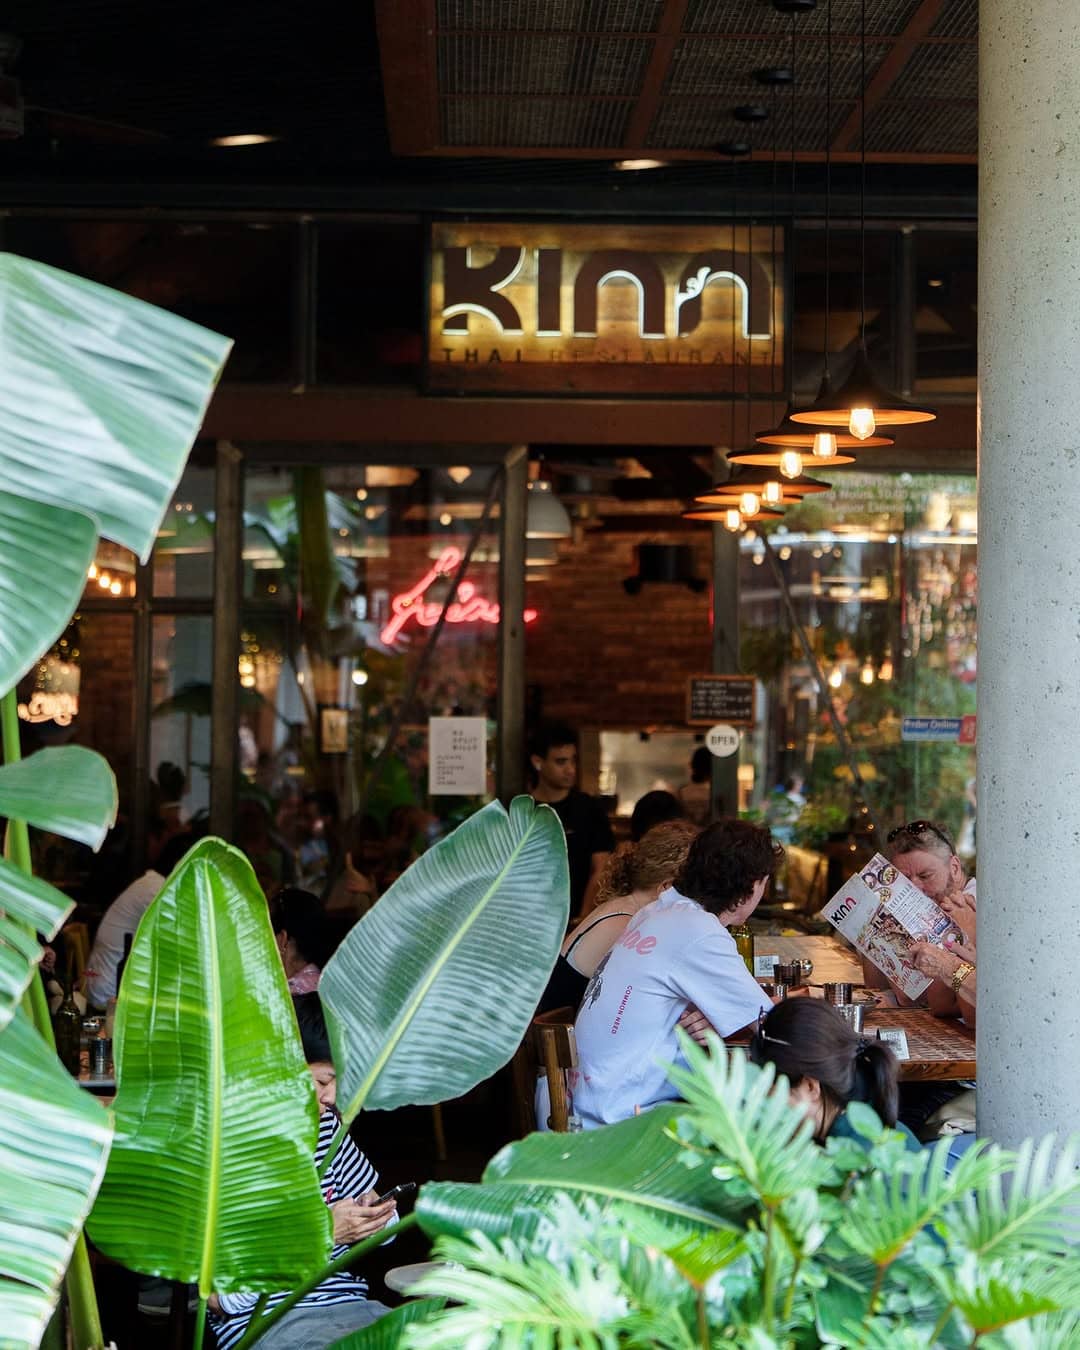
(720, 698)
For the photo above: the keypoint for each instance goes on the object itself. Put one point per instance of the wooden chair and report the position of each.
(549, 1048)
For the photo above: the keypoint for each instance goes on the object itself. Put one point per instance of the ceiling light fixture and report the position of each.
(243, 138)
(633, 165)
(546, 517)
(861, 403)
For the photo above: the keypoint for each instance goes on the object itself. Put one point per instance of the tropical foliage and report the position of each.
(720, 1222)
(101, 397)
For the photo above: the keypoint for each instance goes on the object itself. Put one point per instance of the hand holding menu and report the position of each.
(881, 914)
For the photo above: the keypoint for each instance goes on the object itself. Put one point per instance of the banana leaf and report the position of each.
(211, 1179)
(53, 1147)
(433, 989)
(66, 789)
(636, 1163)
(44, 553)
(27, 906)
(101, 396)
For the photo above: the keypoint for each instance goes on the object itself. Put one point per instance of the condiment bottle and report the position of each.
(744, 941)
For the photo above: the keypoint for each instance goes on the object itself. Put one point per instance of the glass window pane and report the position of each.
(180, 705)
(111, 576)
(946, 312)
(345, 573)
(93, 663)
(232, 276)
(184, 551)
(883, 574)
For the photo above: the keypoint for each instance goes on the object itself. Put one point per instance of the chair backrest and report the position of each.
(555, 1051)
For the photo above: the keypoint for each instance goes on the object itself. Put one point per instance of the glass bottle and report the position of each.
(744, 941)
(67, 1029)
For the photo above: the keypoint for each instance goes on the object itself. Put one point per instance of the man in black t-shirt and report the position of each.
(589, 840)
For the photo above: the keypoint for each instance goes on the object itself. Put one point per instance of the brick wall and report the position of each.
(605, 659)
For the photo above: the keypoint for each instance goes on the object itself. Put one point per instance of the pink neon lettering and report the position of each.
(468, 606)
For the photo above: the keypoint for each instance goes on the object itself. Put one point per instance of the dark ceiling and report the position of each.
(475, 104)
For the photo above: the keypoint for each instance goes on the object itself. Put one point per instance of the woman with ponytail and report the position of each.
(633, 878)
(827, 1066)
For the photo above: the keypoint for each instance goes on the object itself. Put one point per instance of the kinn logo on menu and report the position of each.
(603, 309)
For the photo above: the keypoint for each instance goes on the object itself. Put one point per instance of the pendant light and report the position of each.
(731, 517)
(761, 483)
(787, 447)
(861, 403)
(545, 517)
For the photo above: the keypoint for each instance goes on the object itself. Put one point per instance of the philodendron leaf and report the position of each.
(212, 1176)
(44, 552)
(433, 989)
(67, 789)
(101, 396)
(27, 906)
(53, 1146)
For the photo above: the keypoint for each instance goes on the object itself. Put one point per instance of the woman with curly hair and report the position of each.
(634, 877)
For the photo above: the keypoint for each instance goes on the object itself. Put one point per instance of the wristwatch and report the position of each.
(960, 974)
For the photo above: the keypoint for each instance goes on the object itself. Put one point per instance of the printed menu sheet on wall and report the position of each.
(457, 756)
(882, 914)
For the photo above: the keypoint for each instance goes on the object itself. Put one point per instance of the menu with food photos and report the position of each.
(882, 914)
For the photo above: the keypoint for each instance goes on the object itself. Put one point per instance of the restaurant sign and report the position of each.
(607, 309)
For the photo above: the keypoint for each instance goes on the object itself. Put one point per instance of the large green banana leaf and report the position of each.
(212, 1177)
(101, 396)
(53, 1145)
(27, 906)
(433, 989)
(44, 552)
(636, 1163)
(68, 790)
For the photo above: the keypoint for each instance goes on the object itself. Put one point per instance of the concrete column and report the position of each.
(1029, 563)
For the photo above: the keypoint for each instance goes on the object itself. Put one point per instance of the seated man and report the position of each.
(340, 1304)
(923, 852)
(675, 957)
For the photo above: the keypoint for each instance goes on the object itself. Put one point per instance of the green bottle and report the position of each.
(744, 941)
(67, 1029)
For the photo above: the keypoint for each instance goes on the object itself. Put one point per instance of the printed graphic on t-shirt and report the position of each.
(596, 984)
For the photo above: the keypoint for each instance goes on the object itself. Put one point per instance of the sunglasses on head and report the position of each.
(916, 828)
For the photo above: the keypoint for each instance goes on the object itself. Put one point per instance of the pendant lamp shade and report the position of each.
(773, 457)
(789, 434)
(795, 489)
(546, 517)
(720, 514)
(860, 391)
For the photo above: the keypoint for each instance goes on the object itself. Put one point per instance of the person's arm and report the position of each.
(943, 965)
(713, 978)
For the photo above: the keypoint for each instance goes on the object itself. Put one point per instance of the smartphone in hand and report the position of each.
(397, 1192)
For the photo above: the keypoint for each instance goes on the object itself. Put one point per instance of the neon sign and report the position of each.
(469, 606)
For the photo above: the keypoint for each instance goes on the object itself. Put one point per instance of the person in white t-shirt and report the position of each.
(676, 963)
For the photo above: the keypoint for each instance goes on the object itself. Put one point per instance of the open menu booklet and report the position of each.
(881, 914)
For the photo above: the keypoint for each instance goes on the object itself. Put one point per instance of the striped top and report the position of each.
(350, 1174)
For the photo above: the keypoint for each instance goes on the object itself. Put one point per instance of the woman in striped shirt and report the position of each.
(340, 1304)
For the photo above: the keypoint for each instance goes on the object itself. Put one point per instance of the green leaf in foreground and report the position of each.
(433, 989)
(101, 397)
(387, 1333)
(53, 1146)
(211, 1179)
(66, 790)
(634, 1164)
(44, 552)
(27, 906)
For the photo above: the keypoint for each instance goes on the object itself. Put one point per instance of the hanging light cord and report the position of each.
(791, 246)
(734, 291)
(772, 255)
(862, 166)
(828, 176)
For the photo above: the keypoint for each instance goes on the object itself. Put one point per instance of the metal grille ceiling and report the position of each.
(617, 78)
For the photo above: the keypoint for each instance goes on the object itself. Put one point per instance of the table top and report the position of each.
(834, 960)
(942, 1049)
(401, 1279)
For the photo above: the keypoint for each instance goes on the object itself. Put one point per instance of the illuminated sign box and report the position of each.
(587, 309)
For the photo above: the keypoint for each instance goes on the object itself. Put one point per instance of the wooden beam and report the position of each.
(409, 61)
(668, 33)
(886, 75)
(613, 152)
(403, 420)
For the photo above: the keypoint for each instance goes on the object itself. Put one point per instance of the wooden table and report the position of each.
(834, 961)
(942, 1049)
